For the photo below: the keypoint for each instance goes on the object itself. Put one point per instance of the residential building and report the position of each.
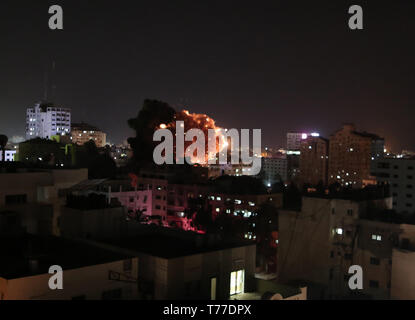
(45, 120)
(352, 155)
(146, 195)
(274, 169)
(33, 198)
(294, 139)
(82, 133)
(89, 272)
(9, 155)
(320, 242)
(399, 174)
(314, 161)
(182, 265)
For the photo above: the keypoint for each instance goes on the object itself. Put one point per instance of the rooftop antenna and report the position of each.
(53, 85)
(46, 83)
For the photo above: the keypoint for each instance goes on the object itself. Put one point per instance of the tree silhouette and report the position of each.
(152, 115)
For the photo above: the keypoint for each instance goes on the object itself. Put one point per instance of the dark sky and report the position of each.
(275, 65)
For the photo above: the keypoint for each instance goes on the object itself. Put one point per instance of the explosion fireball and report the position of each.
(204, 123)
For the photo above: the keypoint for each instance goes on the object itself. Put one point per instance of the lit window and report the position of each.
(376, 237)
(339, 231)
(237, 282)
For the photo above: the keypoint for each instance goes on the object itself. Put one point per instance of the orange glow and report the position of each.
(202, 122)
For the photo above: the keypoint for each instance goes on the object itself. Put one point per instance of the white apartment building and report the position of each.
(399, 173)
(45, 120)
(10, 154)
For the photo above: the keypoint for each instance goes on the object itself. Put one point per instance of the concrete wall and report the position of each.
(403, 276)
(190, 277)
(304, 243)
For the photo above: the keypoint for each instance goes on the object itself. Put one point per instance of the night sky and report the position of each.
(278, 65)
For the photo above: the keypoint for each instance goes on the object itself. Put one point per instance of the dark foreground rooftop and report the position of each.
(16, 254)
(168, 247)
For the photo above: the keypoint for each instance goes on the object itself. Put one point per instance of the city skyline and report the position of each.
(277, 67)
(204, 158)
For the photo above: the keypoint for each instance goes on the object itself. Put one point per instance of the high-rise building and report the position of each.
(274, 169)
(314, 161)
(400, 175)
(294, 139)
(352, 156)
(45, 120)
(82, 133)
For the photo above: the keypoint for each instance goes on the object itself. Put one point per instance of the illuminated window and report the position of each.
(339, 231)
(237, 282)
(376, 237)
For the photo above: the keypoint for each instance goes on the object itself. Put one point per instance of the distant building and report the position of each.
(82, 133)
(45, 120)
(149, 196)
(274, 169)
(352, 156)
(294, 139)
(10, 155)
(314, 161)
(399, 173)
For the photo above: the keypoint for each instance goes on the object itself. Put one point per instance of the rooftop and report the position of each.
(367, 193)
(169, 246)
(84, 127)
(17, 252)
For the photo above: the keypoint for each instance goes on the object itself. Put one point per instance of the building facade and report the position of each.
(89, 273)
(352, 155)
(399, 173)
(45, 120)
(274, 169)
(10, 155)
(183, 266)
(319, 243)
(294, 139)
(82, 133)
(314, 161)
(33, 199)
